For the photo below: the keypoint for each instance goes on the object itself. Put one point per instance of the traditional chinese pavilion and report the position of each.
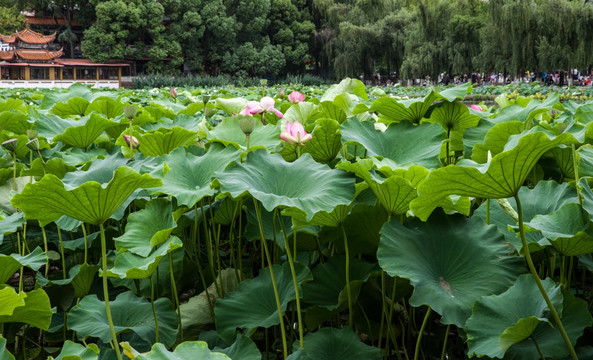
(31, 59)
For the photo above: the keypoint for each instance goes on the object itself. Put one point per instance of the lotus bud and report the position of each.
(173, 93)
(131, 139)
(10, 144)
(130, 111)
(32, 134)
(247, 123)
(281, 93)
(205, 99)
(33, 144)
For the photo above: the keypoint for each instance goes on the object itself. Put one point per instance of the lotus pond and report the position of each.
(332, 223)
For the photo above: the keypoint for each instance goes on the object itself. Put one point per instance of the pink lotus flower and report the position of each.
(476, 107)
(296, 97)
(173, 93)
(135, 142)
(265, 105)
(295, 134)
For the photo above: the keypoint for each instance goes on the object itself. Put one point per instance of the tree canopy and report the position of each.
(334, 38)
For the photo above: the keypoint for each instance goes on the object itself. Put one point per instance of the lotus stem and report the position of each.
(14, 170)
(106, 290)
(383, 309)
(539, 282)
(294, 279)
(86, 244)
(273, 278)
(539, 350)
(21, 252)
(576, 172)
(62, 252)
(391, 317)
(208, 235)
(156, 320)
(444, 352)
(487, 211)
(46, 250)
(174, 291)
(348, 289)
(419, 339)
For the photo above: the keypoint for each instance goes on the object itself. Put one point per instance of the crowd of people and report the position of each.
(557, 78)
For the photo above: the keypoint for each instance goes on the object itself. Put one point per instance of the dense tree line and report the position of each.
(334, 38)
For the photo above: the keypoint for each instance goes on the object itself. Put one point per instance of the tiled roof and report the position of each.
(7, 55)
(87, 62)
(32, 37)
(8, 38)
(48, 20)
(45, 55)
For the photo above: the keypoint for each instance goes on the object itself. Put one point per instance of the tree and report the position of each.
(10, 17)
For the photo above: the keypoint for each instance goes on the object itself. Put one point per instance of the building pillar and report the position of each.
(27, 73)
(74, 72)
(97, 73)
(119, 76)
(61, 74)
(52, 73)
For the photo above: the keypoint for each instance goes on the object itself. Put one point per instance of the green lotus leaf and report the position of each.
(228, 132)
(10, 300)
(22, 151)
(182, 120)
(394, 192)
(567, 229)
(226, 212)
(304, 184)
(48, 200)
(346, 86)
(186, 350)
(326, 142)
(6, 174)
(448, 268)
(334, 218)
(147, 228)
(231, 106)
(159, 143)
(190, 177)
(80, 277)
(77, 156)
(75, 90)
(453, 116)
(495, 140)
(4, 353)
(575, 318)
(196, 315)
(36, 311)
(50, 126)
(532, 109)
(73, 351)
(563, 158)
(9, 264)
(130, 313)
(104, 105)
(304, 113)
(242, 349)
(128, 265)
(74, 106)
(11, 224)
(398, 143)
(14, 122)
(328, 288)
(332, 343)
(55, 166)
(100, 170)
(333, 112)
(257, 295)
(362, 225)
(501, 178)
(510, 321)
(585, 160)
(84, 131)
(15, 105)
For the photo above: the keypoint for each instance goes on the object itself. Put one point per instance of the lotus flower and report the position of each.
(267, 104)
(252, 108)
(296, 97)
(134, 143)
(295, 134)
(281, 93)
(173, 93)
(476, 107)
